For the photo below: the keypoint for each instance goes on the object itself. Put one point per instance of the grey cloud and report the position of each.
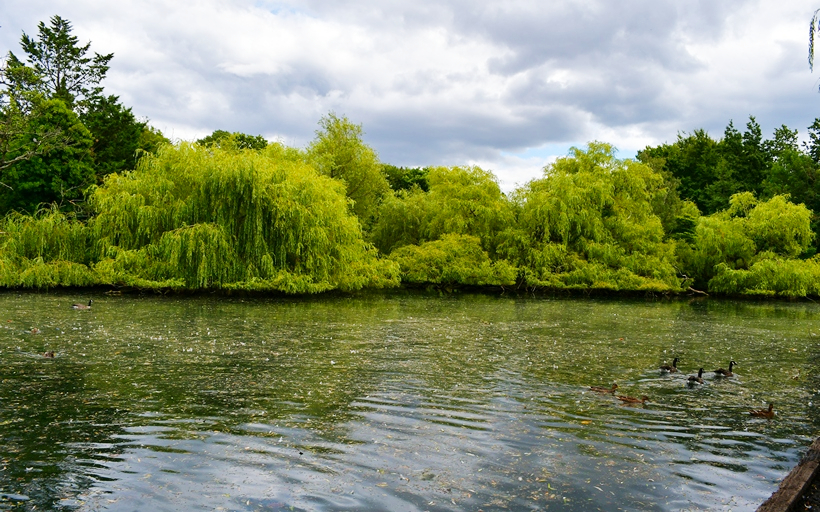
(629, 66)
(480, 136)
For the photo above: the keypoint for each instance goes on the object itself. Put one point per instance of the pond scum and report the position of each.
(197, 218)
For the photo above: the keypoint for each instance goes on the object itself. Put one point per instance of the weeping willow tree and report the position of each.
(460, 200)
(196, 218)
(589, 224)
(200, 218)
(452, 260)
(44, 250)
(753, 248)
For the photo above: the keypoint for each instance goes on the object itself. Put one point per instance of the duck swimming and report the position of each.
(82, 306)
(604, 390)
(632, 399)
(49, 354)
(696, 380)
(670, 369)
(764, 413)
(720, 372)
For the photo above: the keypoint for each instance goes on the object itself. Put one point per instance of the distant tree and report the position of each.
(58, 172)
(452, 260)
(223, 219)
(117, 134)
(785, 139)
(338, 151)
(692, 160)
(812, 146)
(710, 171)
(745, 233)
(151, 139)
(20, 138)
(590, 223)
(236, 140)
(461, 200)
(57, 67)
(405, 178)
(62, 69)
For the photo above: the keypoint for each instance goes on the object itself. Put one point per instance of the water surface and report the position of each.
(399, 402)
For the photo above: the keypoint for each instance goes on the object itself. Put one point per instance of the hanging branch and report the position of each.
(814, 26)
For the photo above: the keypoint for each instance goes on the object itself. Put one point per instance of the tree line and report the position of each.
(92, 196)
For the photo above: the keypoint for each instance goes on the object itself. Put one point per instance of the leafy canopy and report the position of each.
(339, 152)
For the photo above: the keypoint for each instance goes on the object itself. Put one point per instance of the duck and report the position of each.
(670, 369)
(764, 413)
(35, 330)
(720, 372)
(598, 389)
(696, 380)
(49, 354)
(632, 399)
(82, 306)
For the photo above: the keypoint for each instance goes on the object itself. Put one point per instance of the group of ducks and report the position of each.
(693, 380)
(34, 330)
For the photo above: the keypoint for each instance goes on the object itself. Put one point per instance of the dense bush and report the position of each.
(452, 260)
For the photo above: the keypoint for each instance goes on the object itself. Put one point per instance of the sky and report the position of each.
(507, 85)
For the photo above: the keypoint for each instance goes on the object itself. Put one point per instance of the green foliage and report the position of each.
(231, 219)
(56, 172)
(236, 140)
(339, 152)
(401, 220)
(747, 232)
(461, 200)
(406, 178)
(49, 235)
(467, 200)
(709, 172)
(452, 260)
(151, 139)
(769, 277)
(717, 240)
(44, 251)
(812, 146)
(116, 132)
(780, 227)
(590, 223)
(46, 153)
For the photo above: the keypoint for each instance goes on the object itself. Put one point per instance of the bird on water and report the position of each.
(670, 369)
(632, 399)
(696, 380)
(764, 413)
(720, 372)
(604, 390)
(82, 306)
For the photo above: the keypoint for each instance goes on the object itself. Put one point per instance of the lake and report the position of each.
(399, 402)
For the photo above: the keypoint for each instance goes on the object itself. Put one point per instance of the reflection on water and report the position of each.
(399, 402)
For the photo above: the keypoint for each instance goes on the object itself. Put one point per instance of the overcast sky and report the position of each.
(508, 85)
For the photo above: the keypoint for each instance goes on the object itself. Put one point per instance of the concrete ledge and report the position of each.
(791, 490)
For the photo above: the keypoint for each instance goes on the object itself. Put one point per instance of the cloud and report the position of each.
(450, 81)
